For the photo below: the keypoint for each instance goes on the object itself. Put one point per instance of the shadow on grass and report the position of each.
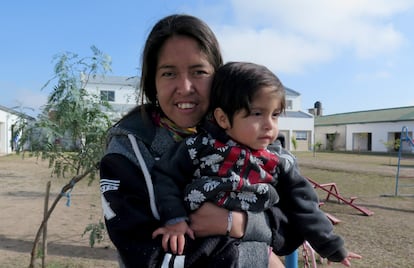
(372, 206)
(74, 251)
(389, 208)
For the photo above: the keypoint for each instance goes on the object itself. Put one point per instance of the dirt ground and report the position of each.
(385, 239)
(22, 192)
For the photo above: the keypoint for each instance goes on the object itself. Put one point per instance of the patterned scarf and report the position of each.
(175, 131)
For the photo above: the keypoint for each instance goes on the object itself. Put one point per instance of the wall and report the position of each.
(380, 133)
(340, 140)
(6, 122)
(296, 102)
(124, 89)
(288, 126)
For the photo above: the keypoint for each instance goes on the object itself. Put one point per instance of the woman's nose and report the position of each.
(185, 84)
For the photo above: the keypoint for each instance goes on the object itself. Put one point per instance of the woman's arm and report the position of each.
(204, 224)
(248, 226)
(128, 216)
(251, 227)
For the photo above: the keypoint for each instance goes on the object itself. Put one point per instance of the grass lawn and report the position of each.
(384, 239)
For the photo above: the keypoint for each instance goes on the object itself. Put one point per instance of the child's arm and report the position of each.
(299, 203)
(173, 236)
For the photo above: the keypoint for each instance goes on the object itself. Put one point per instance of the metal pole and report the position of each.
(291, 260)
(399, 159)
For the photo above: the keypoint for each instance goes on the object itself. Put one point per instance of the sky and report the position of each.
(350, 55)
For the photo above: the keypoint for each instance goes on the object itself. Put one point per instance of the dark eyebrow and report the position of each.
(198, 66)
(165, 67)
(195, 66)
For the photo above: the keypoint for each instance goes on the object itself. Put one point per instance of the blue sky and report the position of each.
(351, 55)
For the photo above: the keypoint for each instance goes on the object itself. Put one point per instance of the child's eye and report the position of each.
(276, 114)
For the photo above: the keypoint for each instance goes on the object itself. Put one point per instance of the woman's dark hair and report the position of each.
(173, 25)
(235, 84)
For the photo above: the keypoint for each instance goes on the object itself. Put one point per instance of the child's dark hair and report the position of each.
(235, 84)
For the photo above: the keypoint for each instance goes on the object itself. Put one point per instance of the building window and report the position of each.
(108, 95)
(301, 135)
(289, 105)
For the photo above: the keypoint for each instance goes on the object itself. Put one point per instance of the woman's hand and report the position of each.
(210, 219)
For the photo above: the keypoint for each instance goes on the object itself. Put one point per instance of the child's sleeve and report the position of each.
(299, 203)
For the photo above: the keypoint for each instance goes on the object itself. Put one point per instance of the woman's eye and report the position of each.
(167, 74)
(200, 73)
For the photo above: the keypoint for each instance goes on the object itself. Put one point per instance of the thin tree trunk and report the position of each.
(65, 188)
(44, 242)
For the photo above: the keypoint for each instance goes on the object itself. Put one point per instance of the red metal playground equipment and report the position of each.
(404, 139)
(332, 190)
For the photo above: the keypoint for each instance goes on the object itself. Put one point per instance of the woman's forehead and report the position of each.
(180, 48)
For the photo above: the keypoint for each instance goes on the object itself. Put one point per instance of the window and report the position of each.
(301, 135)
(107, 95)
(289, 105)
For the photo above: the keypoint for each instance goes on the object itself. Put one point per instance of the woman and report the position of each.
(180, 57)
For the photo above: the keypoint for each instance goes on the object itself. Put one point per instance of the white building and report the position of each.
(8, 135)
(121, 93)
(296, 125)
(369, 131)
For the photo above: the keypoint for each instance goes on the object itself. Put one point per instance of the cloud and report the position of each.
(281, 53)
(291, 35)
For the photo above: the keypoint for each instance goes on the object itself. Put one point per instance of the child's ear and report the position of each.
(221, 118)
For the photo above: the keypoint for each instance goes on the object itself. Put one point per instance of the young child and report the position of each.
(229, 162)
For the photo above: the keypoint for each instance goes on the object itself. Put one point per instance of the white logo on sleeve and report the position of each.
(108, 185)
(108, 212)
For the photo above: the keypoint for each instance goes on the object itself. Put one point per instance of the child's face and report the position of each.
(259, 128)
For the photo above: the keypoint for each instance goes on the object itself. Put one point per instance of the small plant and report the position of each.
(397, 145)
(40, 253)
(392, 146)
(294, 143)
(318, 146)
(96, 232)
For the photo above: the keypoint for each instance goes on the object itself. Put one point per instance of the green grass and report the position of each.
(384, 239)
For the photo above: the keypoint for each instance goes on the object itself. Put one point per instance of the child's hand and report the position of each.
(347, 261)
(173, 235)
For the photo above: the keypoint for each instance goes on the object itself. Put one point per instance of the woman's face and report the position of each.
(183, 79)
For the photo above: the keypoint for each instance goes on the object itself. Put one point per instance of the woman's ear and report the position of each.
(221, 118)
